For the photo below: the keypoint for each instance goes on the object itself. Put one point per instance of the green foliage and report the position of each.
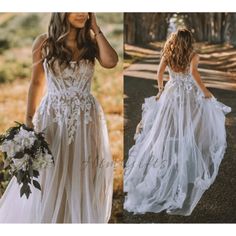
(20, 30)
(4, 45)
(17, 31)
(112, 25)
(14, 70)
(4, 176)
(4, 76)
(114, 18)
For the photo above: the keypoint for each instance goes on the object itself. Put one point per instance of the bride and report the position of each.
(78, 188)
(180, 140)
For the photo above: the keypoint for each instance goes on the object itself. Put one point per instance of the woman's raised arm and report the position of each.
(106, 56)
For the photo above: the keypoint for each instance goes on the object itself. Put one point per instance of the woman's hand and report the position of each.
(106, 55)
(94, 26)
(158, 95)
(207, 94)
(139, 128)
(29, 123)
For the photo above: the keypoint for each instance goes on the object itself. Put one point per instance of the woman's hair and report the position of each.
(54, 47)
(178, 50)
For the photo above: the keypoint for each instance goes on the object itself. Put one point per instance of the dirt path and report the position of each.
(218, 204)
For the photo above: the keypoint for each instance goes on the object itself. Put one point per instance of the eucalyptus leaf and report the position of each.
(31, 172)
(35, 173)
(19, 177)
(36, 184)
(23, 189)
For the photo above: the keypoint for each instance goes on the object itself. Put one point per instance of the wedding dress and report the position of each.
(177, 153)
(78, 188)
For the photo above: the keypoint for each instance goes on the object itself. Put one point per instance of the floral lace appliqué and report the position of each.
(183, 81)
(68, 95)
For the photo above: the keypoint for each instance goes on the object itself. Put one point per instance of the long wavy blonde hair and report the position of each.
(178, 50)
(54, 47)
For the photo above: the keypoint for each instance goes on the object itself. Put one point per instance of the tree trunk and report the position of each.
(141, 28)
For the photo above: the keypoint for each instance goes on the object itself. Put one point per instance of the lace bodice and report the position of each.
(182, 79)
(68, 94)
(76, 77)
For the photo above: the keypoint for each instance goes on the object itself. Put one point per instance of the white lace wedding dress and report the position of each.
(177, 154)
(78, 188)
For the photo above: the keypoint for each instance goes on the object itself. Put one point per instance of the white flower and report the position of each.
(11, 152)
(42, 161)
(17, 139)
(25, 138)
(9, 147)
(4, 147)
(18, 148)
(21, 163)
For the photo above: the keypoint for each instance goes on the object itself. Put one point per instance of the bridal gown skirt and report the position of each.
(78, 188)
(177, 154)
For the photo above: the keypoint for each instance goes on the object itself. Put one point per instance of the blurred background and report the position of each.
(209, 27)
(215, 35)
(17, 32)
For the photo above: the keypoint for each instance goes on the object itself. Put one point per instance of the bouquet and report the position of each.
(25, 153)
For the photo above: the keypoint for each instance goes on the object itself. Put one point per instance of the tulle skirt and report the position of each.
(78, 188)
(177, 154)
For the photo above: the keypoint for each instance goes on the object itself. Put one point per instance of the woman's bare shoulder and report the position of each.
(195, 56)
(39, 40)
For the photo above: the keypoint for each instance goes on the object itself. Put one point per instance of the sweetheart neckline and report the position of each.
(78, 63)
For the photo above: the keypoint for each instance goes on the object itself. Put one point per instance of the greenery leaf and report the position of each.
(19, 176)
(31, 172)
(24, 189)
(36, 184)
(35, 173)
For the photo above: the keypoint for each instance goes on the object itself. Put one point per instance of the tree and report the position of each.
(145, 27)
(208, 27)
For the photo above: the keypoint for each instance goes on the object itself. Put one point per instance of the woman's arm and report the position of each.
(160, 73)
(197, 77)
(106, 56)
(37, 80)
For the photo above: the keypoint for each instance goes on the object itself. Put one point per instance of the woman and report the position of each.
(78, 188)
(180, 140)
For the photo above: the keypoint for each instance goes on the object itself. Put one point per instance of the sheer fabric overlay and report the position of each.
(177, 154)
(78, 188)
